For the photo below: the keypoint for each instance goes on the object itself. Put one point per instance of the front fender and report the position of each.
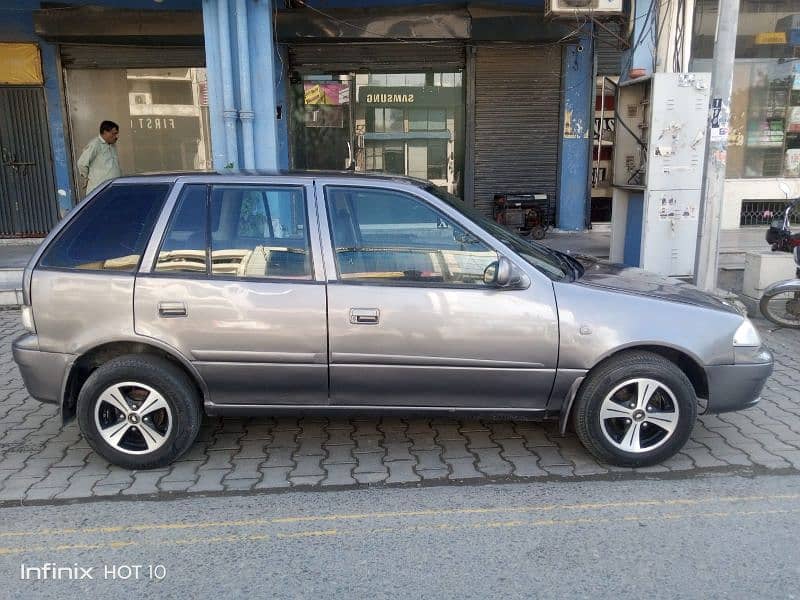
(787, 285)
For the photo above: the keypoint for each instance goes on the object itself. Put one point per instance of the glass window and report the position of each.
(437, 119)
(184, 247)
(764, 138)
(259, 231)
(162, 115)
(382, 236)
(418, 119)
(110, 233)
(418, 160)
(437, 159)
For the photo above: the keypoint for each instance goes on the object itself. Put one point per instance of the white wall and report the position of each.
(737, 190)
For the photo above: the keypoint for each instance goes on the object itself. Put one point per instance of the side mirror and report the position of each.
(503, 274)
(785, 189)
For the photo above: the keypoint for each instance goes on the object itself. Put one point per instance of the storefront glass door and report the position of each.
(395, 123)
(162, 115)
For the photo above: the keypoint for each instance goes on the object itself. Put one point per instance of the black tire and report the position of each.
(538, 232)
(173, 385)
(607, 376)
(767, 304)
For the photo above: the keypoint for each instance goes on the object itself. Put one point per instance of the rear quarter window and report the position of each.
(111, 232)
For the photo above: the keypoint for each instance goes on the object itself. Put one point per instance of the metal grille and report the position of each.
(763, 212)
(517, 121)
(28, 204)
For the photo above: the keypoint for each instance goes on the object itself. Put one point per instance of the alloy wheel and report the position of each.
(133, 418)
(639, 415)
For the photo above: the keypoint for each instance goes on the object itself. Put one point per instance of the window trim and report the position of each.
(209, 275)
(76, 214)
(406, 284)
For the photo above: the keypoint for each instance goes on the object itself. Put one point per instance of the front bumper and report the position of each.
(738, 386)
(42, 372)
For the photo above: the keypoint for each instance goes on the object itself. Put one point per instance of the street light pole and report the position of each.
(706, 262)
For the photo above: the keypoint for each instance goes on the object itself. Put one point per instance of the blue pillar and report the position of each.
(641, 55)
(219, 150)
(263, 81)
(577, 131)
(243, 62)
(58, 136)
(282, 101)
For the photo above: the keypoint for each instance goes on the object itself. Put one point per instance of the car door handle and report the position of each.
(171, 309)
(364, 316)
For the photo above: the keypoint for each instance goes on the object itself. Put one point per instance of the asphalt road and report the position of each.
(721, 536)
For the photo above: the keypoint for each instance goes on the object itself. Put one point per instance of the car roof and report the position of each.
(294, 174)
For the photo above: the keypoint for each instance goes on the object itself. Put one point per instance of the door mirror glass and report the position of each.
(502, 273)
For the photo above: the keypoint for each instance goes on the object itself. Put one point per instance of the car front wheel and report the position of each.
(139, 411)
(635, 410)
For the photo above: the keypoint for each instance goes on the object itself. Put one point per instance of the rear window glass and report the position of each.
(111, 232)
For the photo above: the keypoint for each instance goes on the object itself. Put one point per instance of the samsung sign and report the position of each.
(429, 96)
(390, 99)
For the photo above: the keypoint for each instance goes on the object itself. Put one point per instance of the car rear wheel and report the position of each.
(635, 410)
(139, 412)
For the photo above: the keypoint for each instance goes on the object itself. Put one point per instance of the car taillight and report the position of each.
(27, 319)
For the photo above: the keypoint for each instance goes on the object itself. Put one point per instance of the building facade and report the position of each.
(764, 136)
(480, 99)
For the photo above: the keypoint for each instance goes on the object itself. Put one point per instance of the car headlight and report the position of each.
(746, 335)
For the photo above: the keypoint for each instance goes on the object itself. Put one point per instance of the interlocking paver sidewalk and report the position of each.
(42, 460)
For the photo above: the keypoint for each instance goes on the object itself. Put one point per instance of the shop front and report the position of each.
(764, 134)
(469, 99)
(145, 71)
(395, 123)
(157, 99)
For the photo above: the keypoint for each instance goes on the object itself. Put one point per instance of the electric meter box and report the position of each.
(658, 171)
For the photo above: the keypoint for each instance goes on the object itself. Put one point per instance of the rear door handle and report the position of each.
(171, 309)
(364, 316)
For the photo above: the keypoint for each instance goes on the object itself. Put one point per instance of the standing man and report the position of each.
(99, 161)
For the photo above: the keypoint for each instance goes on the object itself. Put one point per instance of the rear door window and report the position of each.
(259, 231)
(111, 232)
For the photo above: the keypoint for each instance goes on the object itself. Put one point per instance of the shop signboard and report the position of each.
(327, 93)
(407, 96)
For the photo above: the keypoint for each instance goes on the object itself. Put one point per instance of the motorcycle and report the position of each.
(781, 300)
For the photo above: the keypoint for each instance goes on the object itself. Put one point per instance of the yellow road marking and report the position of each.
(403, 529)
(396, 514)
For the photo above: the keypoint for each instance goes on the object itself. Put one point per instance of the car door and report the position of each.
(232, 284)
(410, 320)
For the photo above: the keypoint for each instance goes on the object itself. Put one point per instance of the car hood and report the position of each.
(631, 280)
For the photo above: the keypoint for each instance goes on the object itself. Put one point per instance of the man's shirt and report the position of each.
(99, 162)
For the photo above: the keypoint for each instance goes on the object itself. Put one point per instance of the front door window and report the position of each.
(382, 236)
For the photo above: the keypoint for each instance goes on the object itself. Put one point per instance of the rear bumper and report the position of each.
(42, 372)
(738, 386)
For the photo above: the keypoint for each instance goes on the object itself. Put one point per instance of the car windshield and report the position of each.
(550, 262)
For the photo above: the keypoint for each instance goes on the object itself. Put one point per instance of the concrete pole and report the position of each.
(706, 262)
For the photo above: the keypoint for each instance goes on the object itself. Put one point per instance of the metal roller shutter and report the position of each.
(517, 121)
(96, 56)
(376, 57)
(607, 50)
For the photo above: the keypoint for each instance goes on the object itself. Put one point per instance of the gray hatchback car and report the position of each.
(161, 298)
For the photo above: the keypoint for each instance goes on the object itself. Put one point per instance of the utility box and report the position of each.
(658, 171)
(762, 269)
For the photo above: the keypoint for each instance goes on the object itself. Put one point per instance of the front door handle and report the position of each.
(171, 309)
(364, 316)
